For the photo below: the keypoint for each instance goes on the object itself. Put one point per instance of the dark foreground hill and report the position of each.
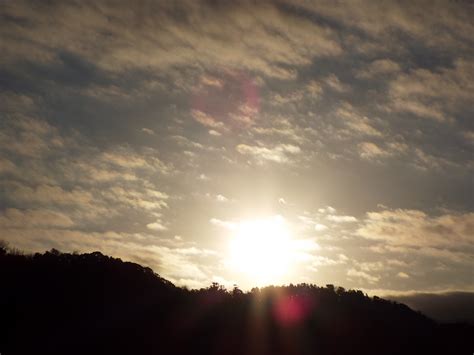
(56, 303)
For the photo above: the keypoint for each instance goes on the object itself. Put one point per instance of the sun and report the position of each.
(261, 249)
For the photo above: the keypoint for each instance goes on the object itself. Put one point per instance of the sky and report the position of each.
(153, 131)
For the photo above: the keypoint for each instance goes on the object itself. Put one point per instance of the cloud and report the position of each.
(414, 228)
(312, 223)
(371, 266)
(15, 218)
(317, 261)
(16, 103)
(214, 133)
(157, 226)
(212, 81)
(403, 275)
(455, 257)
(147, 199)
(7, 166)
(356, 122)
(418, 108)
(341, 219)
(49, 195)
(206, 120)
(361, 275)
(314, 88)
(30, 137)
(223, 224)
(108, 93)
(124, 157)
(333, 82)
(384, 21)
(148, 131)
(320, 227)
(221, 198)
(376, 152)
(213, 39)
(369, 151)
(427, 161)
(280, 153)
(327, 209)
(281, 127)
(61, 180)
(396, 262)
(186, 142)
(434, 94)
(378, 68)
(290, 97)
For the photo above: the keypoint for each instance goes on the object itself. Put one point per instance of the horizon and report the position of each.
(245, 144)
(444, 308)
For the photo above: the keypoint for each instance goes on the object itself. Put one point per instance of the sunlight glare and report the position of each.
(262, 249)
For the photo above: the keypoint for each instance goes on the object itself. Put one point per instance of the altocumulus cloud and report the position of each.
(280, 154)
(416, 228)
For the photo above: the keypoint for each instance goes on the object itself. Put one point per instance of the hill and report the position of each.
(57, 303)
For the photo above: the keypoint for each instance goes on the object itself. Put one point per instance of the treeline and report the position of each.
(59, 303)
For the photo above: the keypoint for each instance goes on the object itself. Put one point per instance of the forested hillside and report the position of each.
(57, 303)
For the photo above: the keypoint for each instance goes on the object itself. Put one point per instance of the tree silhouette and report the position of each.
(58, 303)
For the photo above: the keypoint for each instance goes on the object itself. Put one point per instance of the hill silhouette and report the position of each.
(58, 303)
